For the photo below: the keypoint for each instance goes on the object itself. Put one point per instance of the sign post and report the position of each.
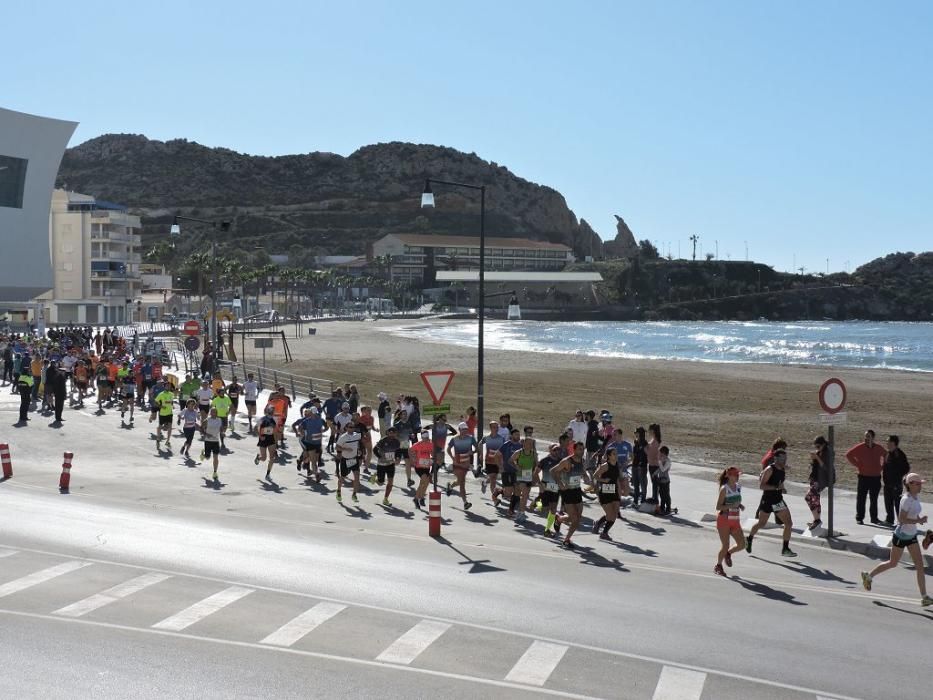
(832, 401)
(263, 343)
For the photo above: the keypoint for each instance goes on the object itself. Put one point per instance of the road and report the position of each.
(149, 579)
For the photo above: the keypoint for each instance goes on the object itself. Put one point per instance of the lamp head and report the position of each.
(427, 197)
(176, 229)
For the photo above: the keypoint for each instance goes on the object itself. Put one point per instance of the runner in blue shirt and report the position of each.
(462, 450)
(310, 430)
(508, 469)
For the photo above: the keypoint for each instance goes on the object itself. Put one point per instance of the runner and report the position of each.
(367, 421)
(187, 390)
(331, 409)
(509, 479)
(728, 507)
(310, 430)
(570, 473)
(212, 428)
(222, 404)
(204, 396)
(81, 381)
(234, 389)
(440, 431)
(550, 494)
(103, 384)
(523, 462)
(905, 537)
(492, 459)
(266, 444)
(387, 453)
(190, 420)
(250, 396)
(771, 483)
(461, 449)
(405, 433)
(165, 405)
(348, 446)
(607, 486)
(129, 390)
(422, 453)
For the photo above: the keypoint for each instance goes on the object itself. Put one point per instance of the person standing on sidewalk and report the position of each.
(868, 460)
(895, 468)
(639, 468)
(819, 462)
(905, 537)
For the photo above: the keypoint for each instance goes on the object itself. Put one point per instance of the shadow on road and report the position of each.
(590, 557)
(766, 591)
(641, 527)
(213, 484)
(807, 570)
(477, 566)
(271, 486)
(926, 615)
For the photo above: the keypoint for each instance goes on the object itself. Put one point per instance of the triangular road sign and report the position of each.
(437, 383)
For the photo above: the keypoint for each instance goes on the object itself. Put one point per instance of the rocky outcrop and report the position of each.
(624, 244)
(319, 201)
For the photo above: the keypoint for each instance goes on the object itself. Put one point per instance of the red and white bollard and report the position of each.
(434, 514)
(65, 480)
(7, 462)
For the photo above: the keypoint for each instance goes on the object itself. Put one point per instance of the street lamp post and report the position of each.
(427, 202)
(224, 226)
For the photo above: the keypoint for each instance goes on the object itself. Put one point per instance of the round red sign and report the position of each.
(833, 396)
(191, 328)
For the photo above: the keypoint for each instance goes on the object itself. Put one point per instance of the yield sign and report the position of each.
(437, 383)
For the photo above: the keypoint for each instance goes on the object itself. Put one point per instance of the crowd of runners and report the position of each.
(591, 460)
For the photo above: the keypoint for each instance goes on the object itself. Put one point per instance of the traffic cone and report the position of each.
(65, 480)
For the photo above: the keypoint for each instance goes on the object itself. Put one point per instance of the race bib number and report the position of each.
(550, 486)
(526, 475)
(574, 481)
(424, 463)
(779, 506)
(607, 488)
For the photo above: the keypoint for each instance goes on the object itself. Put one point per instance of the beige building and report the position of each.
(415, 254)
(94, 247)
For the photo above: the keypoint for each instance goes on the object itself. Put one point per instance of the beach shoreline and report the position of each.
(711, 413)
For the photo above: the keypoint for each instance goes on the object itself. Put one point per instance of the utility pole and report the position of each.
(717, 250)
(694, 238)
(746, 251)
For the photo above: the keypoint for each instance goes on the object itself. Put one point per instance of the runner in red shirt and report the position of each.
(422, 454)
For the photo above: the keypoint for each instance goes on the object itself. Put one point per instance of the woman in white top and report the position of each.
(905, 536)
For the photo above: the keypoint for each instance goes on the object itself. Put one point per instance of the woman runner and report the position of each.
(728, 524)
(607, 486)
(524, 462)
(189, 420)
(771, 482)
(818, 459)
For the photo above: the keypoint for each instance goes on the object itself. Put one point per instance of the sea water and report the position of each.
(902, 346)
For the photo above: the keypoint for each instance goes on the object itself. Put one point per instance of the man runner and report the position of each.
(348, 460)
(222, 404)
(212, 428)
(266, 444)
(250, 396)
(165, 404)
(387, 452)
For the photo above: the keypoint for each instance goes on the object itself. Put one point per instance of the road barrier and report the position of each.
(64, 482)
(7, 462)
(434, 514)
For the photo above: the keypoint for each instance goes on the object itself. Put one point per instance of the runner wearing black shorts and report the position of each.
(570, 474)
(771, 483)
(550, 493)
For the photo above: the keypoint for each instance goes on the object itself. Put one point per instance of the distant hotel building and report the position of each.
(95, 260)
(413, 254)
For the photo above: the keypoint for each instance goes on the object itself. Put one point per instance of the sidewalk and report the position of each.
(694, 491)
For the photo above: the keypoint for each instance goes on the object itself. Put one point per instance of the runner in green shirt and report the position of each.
(187, 389)
(223, 404)
(165, 402)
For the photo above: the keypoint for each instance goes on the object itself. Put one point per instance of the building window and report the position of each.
(12, 181)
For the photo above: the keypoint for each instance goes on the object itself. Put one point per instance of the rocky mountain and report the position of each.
(317, 203)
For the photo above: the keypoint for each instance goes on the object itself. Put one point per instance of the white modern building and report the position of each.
(412, 255)
(95, 259)
(31, 150)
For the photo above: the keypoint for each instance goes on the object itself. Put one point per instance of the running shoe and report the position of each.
(215, 476)
(450, 488)
(411, 482)
(605, 536)
(483, 486)
(417, 503)
(815, 524)
(202, 456)
(568, 544)
(748, 544)
(268, 473)
(926, 601)
(788, 552)
(866, 580)
(385, 502)
(339, 498)
(422, 503)
(597, 526)
(728, 559)
(355, 499)
(719, 570)
(256, 460)
(548, 533)
(467, 505)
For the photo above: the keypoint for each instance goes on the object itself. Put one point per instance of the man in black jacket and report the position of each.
(896, 467)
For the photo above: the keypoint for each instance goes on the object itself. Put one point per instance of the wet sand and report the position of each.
(710, 413)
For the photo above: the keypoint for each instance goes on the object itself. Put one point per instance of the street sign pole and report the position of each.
(832, 477)
(832, 397)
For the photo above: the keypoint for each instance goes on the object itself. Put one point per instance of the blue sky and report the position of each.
(801, 128)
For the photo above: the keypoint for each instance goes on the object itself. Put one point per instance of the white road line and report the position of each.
(537, 663)
(111, 595)
(202, 609)
(295, 629)
(406, 648)
(7, 553)
(679, 684)
(38, 577)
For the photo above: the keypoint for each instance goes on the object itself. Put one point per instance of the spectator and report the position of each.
(868, 460)
(896, 467)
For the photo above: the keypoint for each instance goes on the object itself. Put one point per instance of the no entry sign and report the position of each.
(191, 328)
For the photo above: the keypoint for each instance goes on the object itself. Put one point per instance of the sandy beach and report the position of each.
(710, 413)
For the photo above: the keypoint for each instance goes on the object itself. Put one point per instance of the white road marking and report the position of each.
(202, 609)
(295, 629)
(679, 684)
(537, 663)
(406, 648)
(7, 553)
(38, 577)
(111, 595)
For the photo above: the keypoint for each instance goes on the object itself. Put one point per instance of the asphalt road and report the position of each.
(147, 578)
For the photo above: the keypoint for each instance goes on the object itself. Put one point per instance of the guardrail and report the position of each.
(293, 383)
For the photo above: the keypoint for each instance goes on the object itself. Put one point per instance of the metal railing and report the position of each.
(293, 383)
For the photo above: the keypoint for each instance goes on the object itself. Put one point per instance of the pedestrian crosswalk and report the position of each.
(207, 609)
